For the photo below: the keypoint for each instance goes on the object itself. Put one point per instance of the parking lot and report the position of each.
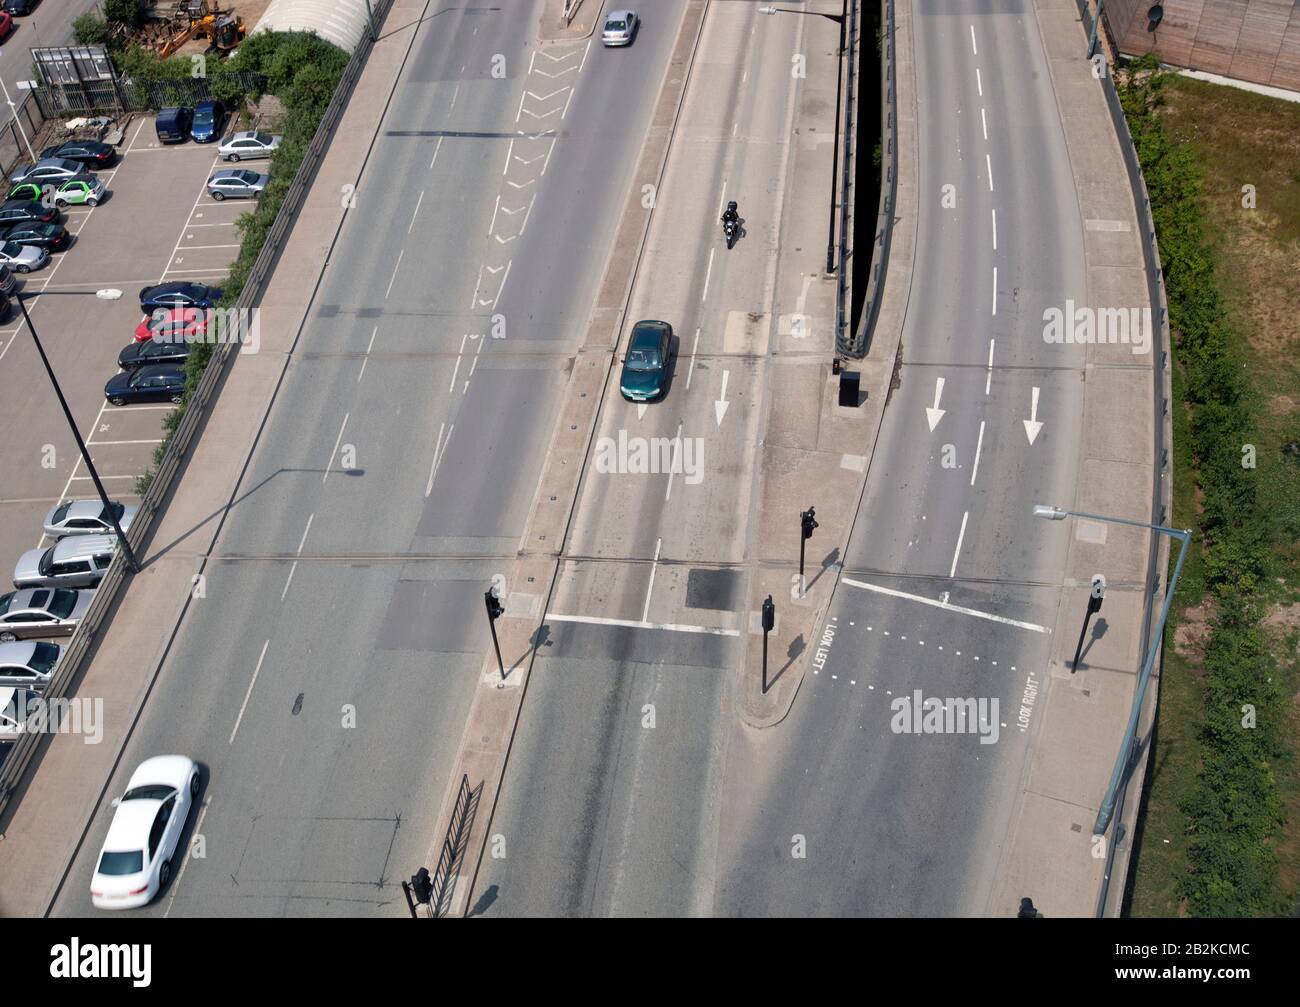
(157, 223)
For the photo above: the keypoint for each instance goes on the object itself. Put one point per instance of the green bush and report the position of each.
(300, 69)
(1234, 810)
(89, 29)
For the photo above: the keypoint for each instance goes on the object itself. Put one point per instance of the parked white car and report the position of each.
(14, 706)
(139, 852)
(248, 143)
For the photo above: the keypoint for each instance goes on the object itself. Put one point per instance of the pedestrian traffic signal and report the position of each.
(769, 614)
(494, 608)
(808, 521)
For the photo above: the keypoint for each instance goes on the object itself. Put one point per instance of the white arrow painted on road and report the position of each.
(934, 414)
(1032, 426)
(720, 406)
(641, 407)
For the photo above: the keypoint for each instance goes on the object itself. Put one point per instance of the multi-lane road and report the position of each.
(325, 677)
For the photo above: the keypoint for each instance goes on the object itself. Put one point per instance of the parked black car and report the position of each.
(20, 6)
(178, 294)
(153, 351)
(52, 237)
(153, 383)
(173, 124)
(20, 211)
(91, 153)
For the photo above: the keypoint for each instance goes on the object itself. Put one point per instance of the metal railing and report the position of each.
(1162, 486)
(859, 342)
(83, 640)
(843, 306)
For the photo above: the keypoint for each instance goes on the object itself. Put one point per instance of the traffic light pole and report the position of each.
(129, 555)
(769, 621)
(494, 612)
(1095, 597)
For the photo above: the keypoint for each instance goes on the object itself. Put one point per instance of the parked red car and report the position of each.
(172, 325)
(6, 25)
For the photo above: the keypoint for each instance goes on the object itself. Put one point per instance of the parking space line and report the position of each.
(195, 248)
(97, 444)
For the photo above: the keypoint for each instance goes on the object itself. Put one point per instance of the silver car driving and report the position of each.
(619, 28)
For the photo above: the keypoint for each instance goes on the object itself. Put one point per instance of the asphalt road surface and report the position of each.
(835, 813)
(324, 679)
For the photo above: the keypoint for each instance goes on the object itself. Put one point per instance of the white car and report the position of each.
(14, 706)
(136, 860)
(248, 143)
(22, 258)
(620, 27)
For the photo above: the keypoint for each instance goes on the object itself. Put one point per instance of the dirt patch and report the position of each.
(1190, 637)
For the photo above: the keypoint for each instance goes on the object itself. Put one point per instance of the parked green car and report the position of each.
(80, 190)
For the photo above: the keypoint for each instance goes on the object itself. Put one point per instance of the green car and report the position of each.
(646, 366)
(80, 190)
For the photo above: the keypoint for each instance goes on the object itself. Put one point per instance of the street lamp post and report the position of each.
(1107, 809)
(105, 295)
(842, 18)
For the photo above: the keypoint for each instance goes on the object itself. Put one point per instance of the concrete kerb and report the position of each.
(551, 26)
(760, 711)
(607, 321)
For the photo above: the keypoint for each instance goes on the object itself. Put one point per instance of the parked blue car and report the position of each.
(209, 118)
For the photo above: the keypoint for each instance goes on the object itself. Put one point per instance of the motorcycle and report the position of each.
(729, 228)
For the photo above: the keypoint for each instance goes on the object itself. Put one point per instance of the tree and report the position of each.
(127, 12)
(90, 29)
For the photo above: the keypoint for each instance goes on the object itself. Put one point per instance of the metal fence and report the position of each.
(858, 342)
(27, 118)
(82, 643)
(120, 96)
(843, 301)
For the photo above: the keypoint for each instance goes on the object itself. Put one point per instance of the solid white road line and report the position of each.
(439, 450)
(415, 212)
(988, 163)
(944, 605)
(960, 536)
(645, 612)
(294, 568)
(995, 229)
(691, 369)
(339, 440)
(456, 370)
(995, 290)
(979, 83)
(366, 359)
(677, 449)
(988, 381)
(256, 671)
(984, 122)
(978, 445)
(972, 41)
(671, 627)
(395, 268)
(198, 831)
(707, 274)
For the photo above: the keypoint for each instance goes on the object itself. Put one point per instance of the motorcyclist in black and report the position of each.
(731, 214)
